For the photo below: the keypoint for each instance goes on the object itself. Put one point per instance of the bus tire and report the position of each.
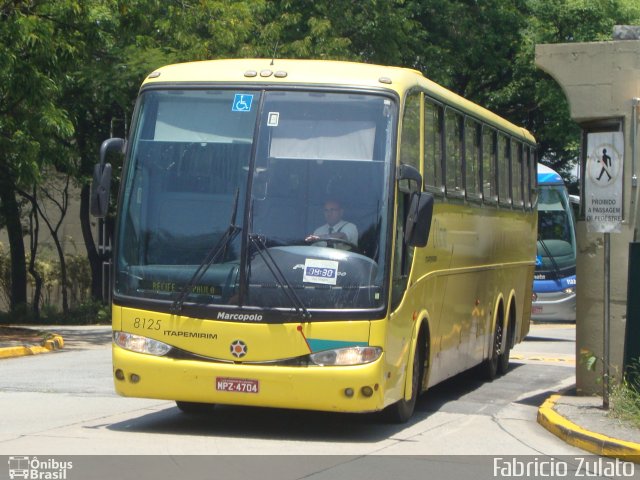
(402, 410)
(503, 360)
(492, 363)
(193, 408)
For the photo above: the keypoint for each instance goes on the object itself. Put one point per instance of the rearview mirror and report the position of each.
(418, 225)
(100, 187)
(409, 172)
(101, 184)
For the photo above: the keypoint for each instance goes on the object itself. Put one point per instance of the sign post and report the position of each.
(603, 213)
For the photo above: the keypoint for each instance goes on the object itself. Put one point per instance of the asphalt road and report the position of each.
(63, 403)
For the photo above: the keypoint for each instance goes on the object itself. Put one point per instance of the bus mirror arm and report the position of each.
(101, 184)
(418, 224)
(409, 172)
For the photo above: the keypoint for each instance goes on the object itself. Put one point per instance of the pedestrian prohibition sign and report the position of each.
(603, 182)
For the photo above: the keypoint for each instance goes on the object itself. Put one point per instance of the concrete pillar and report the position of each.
(600, 80)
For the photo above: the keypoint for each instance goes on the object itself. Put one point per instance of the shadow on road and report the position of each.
(268, 423)
(82, 338)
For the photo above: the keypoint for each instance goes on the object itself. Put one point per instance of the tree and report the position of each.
(556, 21)
(485, 50)
(112, 54)
(56, 192)
(31, 122)
(70, 69)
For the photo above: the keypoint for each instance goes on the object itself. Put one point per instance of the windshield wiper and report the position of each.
(212, 255)
(556, 269)
(258, 241)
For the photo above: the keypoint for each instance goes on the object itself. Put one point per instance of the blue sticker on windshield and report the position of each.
(242, 102)
(538, 261)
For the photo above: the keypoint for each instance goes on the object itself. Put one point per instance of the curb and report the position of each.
(586, 440)
(49, 344)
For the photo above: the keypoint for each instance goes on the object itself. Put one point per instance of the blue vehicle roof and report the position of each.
(548, 176)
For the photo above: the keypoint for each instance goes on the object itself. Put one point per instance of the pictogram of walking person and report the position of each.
(606, 164)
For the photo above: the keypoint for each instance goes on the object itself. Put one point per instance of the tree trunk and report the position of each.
(95, 260)
(34, 232)
(62, 206)
(63, 274)
(11, 213)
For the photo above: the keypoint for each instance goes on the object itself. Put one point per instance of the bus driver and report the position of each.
(335, 228)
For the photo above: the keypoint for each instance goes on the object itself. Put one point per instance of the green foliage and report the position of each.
(70, 69)
(588, 359)
(486, 52)
(562, 21)
(34, 51)
(199, 30)
(625, 397)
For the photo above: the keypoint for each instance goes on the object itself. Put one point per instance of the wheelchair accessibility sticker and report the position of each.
(242, 102)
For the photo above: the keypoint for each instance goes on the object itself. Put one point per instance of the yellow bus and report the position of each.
(315, 235)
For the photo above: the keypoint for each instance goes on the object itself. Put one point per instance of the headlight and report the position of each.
(346, 356)
(569, 290)
(139, 344)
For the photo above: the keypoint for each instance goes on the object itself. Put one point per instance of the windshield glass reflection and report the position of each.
(313, 232)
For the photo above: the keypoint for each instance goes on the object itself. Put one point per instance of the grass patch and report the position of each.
(625, 397)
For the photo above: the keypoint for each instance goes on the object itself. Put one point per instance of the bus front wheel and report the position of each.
(401, 411)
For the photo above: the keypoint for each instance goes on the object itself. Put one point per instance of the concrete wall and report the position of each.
(70, 234)
(600, 81)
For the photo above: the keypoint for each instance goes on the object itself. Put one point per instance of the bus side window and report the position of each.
(410, 146)
(489, 180)
(433, 119)
(403, 254)
(533, 177)
(409, 154)
(472, 136)
(526, 177)
(453, 172)
(516, 173)
(504, 174)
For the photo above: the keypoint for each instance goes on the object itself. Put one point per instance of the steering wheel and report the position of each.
(333, 241)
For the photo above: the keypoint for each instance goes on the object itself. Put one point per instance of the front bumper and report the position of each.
(309, 388)
(558, 306)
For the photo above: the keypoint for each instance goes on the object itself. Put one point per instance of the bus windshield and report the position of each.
(267, 199)
(556, 236)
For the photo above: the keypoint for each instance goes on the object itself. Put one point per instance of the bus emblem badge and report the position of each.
(238, 348)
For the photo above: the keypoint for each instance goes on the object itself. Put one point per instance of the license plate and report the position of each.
(536, 309)
(240, 385)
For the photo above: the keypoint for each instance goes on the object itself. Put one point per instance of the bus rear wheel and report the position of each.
(503, 363)
(193, 408)
(492, 364)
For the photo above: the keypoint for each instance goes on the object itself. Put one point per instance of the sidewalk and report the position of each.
(584, 423)
(579, 421)
(19, 342)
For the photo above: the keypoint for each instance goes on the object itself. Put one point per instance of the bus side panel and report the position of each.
(422, 299)
(475, 258)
